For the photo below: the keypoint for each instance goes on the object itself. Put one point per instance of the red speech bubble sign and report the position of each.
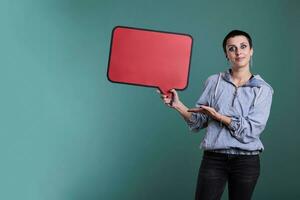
(150, 58)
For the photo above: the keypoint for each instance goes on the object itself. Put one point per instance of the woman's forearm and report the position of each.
(224, 119)
(183, 110)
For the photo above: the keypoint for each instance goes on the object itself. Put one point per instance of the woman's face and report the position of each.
(238, 51)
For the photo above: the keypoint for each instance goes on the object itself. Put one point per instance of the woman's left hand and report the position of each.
(210, 111)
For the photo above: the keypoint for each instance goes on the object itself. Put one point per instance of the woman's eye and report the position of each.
(243, 46)
(231, 49)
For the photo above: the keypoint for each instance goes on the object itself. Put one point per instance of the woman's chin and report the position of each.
(241, 65)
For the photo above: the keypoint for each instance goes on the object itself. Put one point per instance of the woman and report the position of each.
(234, 107)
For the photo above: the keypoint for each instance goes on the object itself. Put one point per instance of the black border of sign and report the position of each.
(144, 29)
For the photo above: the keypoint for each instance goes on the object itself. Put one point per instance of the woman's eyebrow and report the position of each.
(232, 45)
(235, 45)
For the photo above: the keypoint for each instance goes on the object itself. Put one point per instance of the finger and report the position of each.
(174, 93)
(211, 110)
(175, 97)
(164, 96)
(169, 105)
(196, 110)
(206, 108)
(168, 101)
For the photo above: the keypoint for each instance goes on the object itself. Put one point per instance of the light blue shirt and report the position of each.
(248, 106)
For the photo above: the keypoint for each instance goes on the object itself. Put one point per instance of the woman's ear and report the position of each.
(251, 52)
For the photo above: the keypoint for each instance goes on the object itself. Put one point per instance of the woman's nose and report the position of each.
(237, 51)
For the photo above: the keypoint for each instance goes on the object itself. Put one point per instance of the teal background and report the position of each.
(67, 133)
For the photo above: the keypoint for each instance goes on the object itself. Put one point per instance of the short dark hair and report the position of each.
(234, 33)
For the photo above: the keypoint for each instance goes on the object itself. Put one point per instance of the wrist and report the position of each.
(220, 118)
(223, 119)
(178, 105)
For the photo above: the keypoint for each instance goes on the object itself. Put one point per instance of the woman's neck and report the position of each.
(240, 75)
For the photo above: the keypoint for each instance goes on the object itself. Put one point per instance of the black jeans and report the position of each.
(241, 172)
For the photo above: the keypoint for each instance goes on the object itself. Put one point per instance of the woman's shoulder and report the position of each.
(213, 78)
(263, 84)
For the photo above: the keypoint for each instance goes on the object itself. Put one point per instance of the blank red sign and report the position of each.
(150, 58)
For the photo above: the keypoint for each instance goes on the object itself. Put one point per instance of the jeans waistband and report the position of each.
(225, 155)
(236, 151)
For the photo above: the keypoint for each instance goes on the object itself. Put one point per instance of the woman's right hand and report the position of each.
(172, 101)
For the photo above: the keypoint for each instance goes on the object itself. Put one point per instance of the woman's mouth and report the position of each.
(239, 59)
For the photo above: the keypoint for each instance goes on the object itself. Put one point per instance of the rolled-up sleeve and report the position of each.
(197, 121)
(248, 128)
